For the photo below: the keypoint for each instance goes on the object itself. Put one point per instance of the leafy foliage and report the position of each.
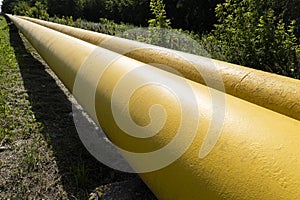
(194, 15)
(22, 8)
(119, 10)
(186, 14)
(66, 7)
(157, 8)
(37, 10)
(263, 34)
(250, 33)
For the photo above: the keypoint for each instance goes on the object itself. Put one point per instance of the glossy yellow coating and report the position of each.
(256, 157)
(278, 93)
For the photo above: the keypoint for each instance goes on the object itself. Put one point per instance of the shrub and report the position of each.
(39, 10)
(157, 8)
(22, 8)
(250, 33)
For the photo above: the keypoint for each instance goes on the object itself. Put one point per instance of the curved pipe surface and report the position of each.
(278, 93)
(255, 157)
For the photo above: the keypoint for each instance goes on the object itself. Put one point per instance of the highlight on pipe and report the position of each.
(136, 85)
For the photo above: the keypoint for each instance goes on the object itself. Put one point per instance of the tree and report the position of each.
(290, 10)
(93, 9)
(131, 11)
(65, 8)
(250, 33)
(7, 6)
(39, 11)
(22, 8)
(160, 20)
(194, 15)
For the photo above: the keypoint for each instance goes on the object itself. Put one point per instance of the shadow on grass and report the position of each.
(80, 172)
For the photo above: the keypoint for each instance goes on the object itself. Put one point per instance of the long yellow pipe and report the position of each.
(256, 156)
(278, 93)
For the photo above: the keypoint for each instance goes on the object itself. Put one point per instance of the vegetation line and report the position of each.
(262, 34)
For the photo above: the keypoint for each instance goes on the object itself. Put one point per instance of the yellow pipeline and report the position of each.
(278, 93)
(256, 157)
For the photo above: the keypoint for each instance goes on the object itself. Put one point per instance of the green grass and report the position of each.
(24, 153)
(16, 117)
(30, 165)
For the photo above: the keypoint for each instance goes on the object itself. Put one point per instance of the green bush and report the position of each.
(38, 10)
(157, 8)
(250, 33)
(22, 8)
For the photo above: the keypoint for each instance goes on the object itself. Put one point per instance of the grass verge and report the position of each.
(41, 155)
(28, 168)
